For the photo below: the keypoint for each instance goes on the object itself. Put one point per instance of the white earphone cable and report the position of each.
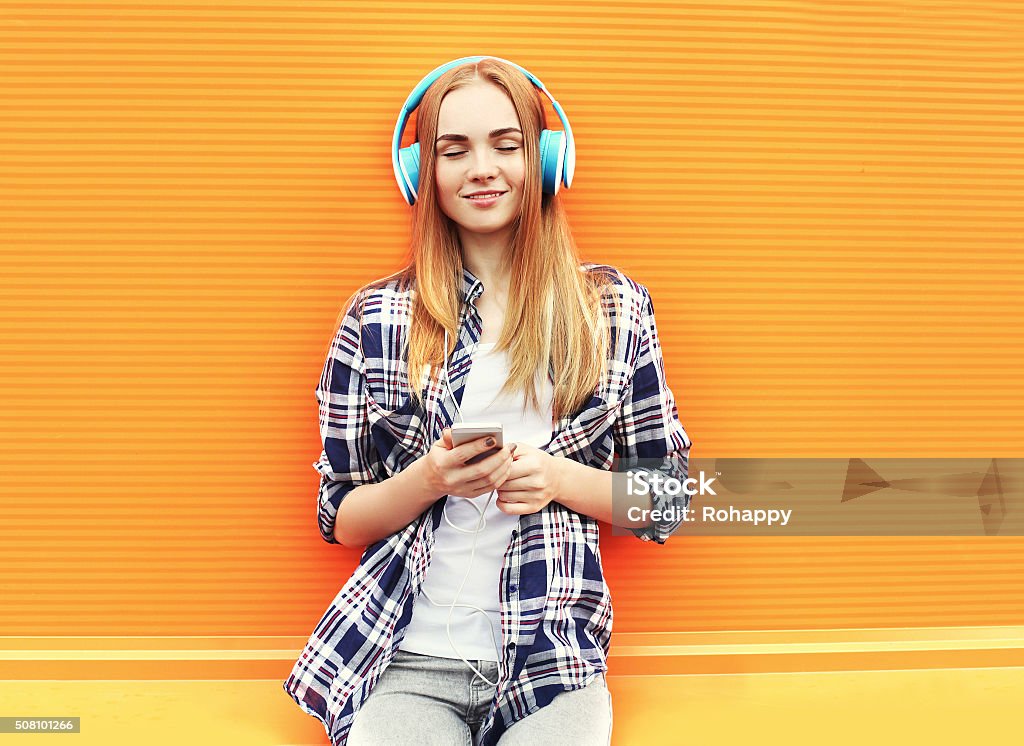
(481, 523)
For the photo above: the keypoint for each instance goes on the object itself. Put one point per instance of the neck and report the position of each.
(486, 257)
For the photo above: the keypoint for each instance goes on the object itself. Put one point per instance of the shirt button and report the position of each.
(513, 588)
(510, 646)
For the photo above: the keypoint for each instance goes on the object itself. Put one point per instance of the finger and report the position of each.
(458, 455)
(478, 446)
(480, 485)
(514, 508)
(493, 464)
(513, 496)
(518, 484)
(482, 455)
(497, 474)
(505, 475)
(480, 491)
(446, 436)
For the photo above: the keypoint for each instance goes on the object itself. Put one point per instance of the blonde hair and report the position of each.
(559, 321)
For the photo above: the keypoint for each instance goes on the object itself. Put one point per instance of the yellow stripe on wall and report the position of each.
(825, 201)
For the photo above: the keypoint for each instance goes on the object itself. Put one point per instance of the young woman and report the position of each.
(479, 613)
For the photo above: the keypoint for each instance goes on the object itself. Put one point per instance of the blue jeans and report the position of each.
(425, 700)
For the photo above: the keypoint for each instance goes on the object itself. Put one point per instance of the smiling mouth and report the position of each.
(489, 195)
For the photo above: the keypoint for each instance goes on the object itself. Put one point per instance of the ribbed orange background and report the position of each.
(824, 199)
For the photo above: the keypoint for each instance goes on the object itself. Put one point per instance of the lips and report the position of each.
(483, 195)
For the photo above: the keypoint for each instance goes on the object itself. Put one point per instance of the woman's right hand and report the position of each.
(446, 471)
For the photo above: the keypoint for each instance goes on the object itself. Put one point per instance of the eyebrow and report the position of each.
(492, 134)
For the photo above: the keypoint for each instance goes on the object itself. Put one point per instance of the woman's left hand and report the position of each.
(534, 480)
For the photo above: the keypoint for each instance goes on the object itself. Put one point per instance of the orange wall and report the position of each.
(825, 202)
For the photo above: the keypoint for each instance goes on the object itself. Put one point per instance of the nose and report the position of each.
(481, 165)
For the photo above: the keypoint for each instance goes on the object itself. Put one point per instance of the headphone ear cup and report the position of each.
(409, 160)
(552, 159)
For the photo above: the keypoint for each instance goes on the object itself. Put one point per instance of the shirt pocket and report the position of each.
(397, 428)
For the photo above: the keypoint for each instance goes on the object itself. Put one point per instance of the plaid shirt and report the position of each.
(556, 613)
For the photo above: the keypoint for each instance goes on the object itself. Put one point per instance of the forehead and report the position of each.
(475, 110)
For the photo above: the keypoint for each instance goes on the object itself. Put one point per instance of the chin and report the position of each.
(489, 227)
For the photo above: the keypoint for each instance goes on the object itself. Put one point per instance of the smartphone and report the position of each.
(464, 432)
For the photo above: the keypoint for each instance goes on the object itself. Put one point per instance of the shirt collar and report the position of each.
(471, 286)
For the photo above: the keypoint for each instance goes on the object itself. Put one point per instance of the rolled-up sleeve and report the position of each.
(349, 458)
(648, 427)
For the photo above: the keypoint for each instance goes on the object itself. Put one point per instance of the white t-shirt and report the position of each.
(474, 638)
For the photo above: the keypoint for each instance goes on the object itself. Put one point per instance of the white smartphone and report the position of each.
(464, 432)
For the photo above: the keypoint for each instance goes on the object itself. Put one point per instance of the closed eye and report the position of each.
(453, 153)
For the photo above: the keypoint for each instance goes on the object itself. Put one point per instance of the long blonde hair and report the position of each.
(558, 320)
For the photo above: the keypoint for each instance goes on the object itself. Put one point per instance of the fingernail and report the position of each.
(513, 448)
(489, 441)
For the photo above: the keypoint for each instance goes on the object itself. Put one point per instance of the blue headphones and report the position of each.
(557, 149)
